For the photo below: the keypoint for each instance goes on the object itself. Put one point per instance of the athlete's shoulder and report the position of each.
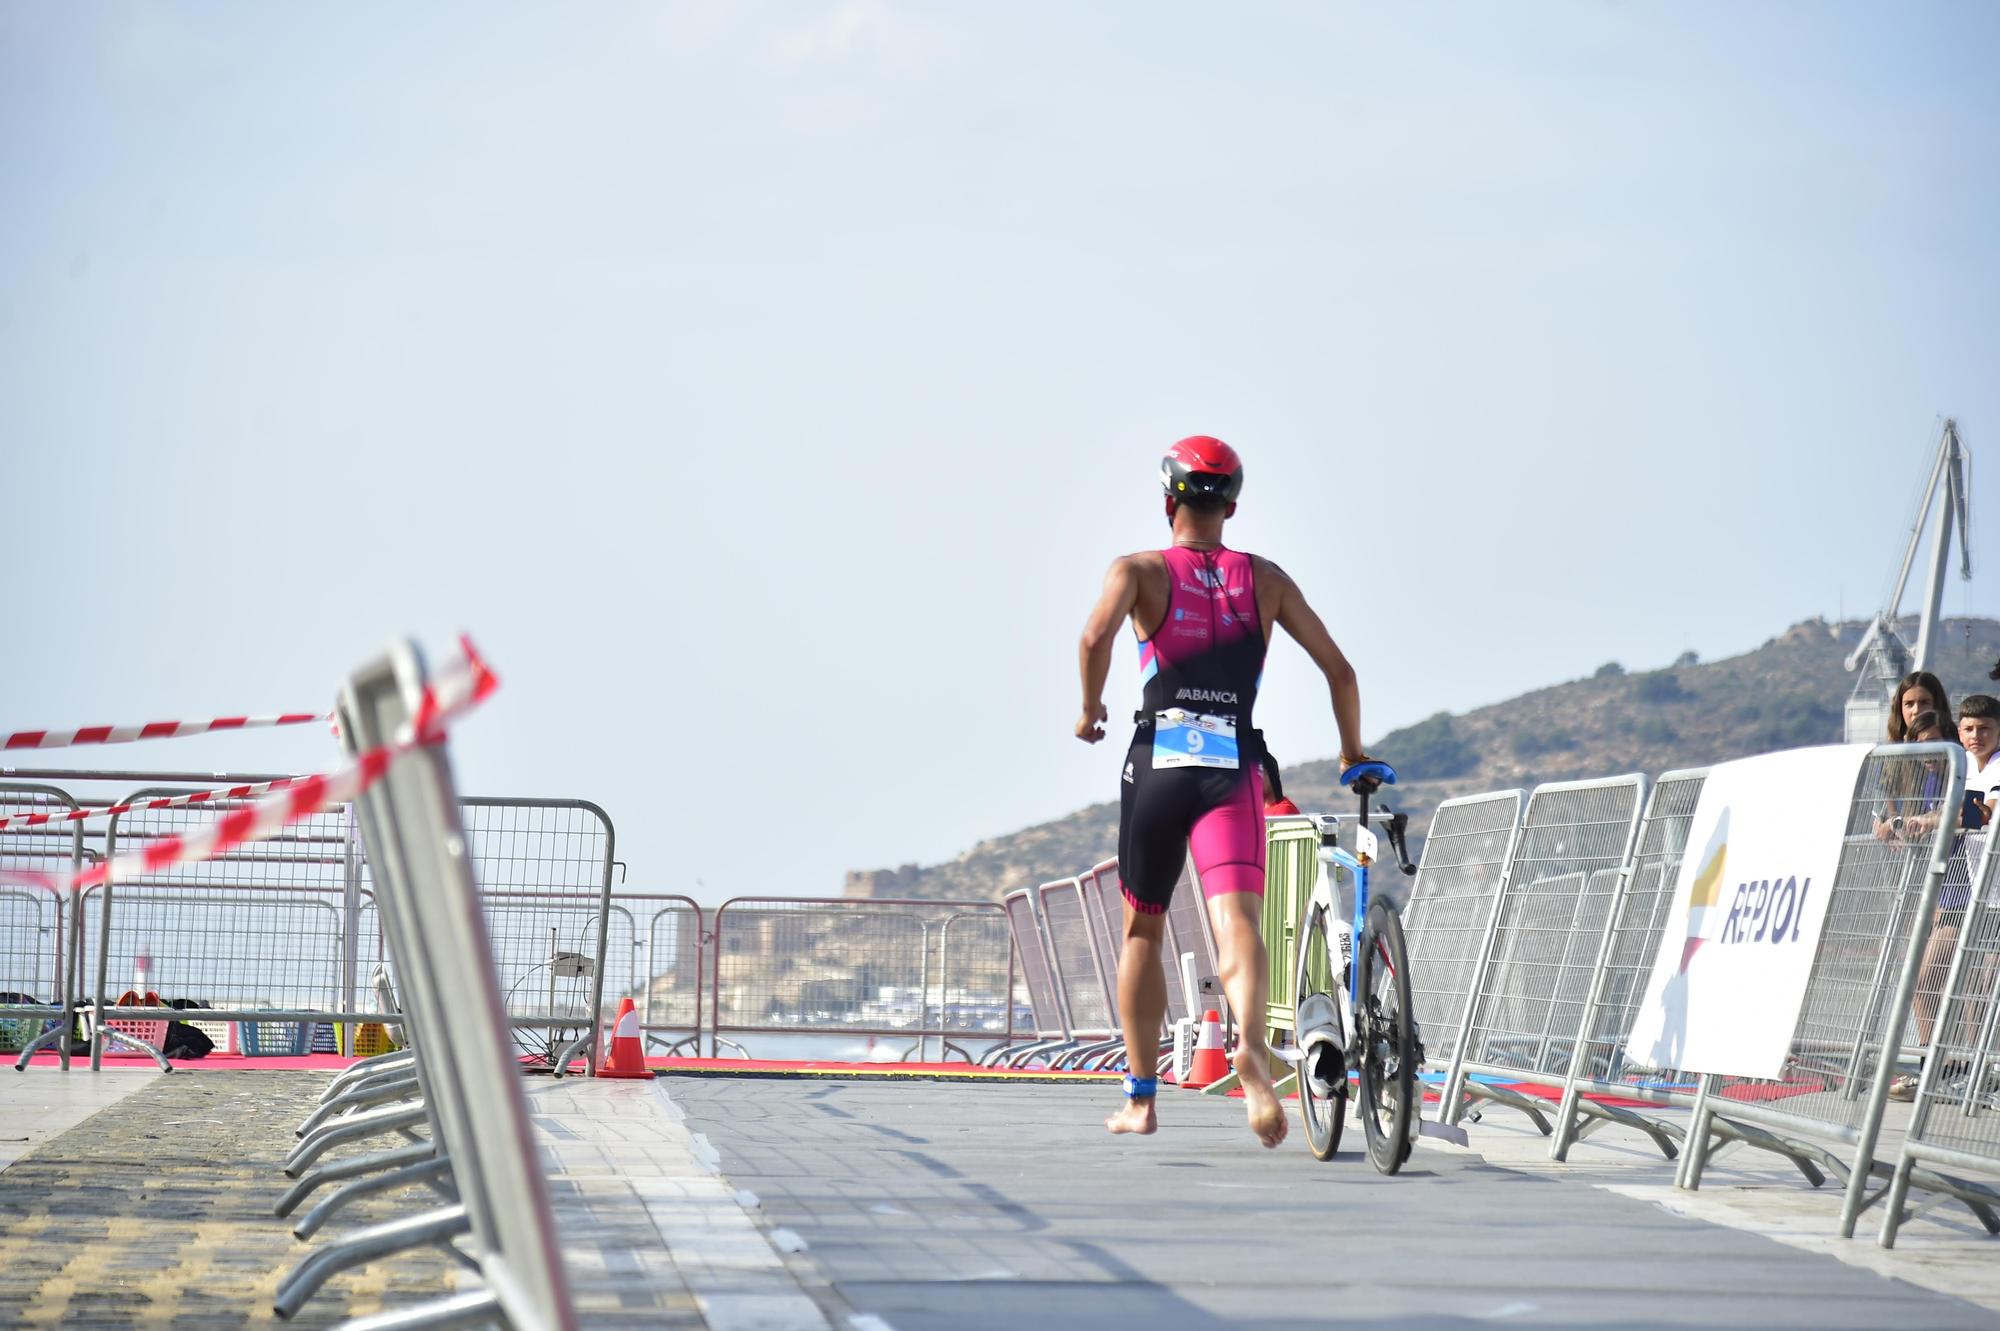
(1267, 568)
(1140, 560)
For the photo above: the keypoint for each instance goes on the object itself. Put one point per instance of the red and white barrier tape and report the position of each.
(63, 739)
(164, 802)
(460, 686)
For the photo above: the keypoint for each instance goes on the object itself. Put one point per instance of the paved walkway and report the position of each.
(39, 1104)
(765, 1205)
(998, 1206)
(652, 1234)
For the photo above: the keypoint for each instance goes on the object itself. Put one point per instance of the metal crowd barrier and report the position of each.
(39, 931)
(1088, 989)
(545, 870)
(1449, 915)
(1541, 951)
(258, 933)
(1045, 997)
(891, 967)
(1189, 930)
(1184, 912)
(1954, 1131)
(1101, 888)
(1603, 1065)
(1104, 925)
(282, 933)
(462, 1057)
(668, 969)
(1826, 1109)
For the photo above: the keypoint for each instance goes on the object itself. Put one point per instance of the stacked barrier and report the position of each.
(1602, 1065)
(1045, 999)
(1104, 926)
(1088, 988)
(1542, 947)
(1069, 935)
(1450, 911)
(460, 1065)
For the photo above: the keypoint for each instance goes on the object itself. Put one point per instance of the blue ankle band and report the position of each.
(1141, 1088)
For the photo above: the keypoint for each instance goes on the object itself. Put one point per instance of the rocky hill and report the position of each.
(1786, 693)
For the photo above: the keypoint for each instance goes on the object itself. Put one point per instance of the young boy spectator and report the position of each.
(1275, 802)
(1979, 732)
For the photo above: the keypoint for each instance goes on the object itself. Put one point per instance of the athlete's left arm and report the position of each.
(1121, 593)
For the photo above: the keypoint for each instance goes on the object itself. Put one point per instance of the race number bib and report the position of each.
(1185, 739)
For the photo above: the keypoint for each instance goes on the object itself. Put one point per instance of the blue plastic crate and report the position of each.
(17, 1033)
(275, 1039)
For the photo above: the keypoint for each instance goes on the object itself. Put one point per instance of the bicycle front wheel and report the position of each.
(1387, 1039)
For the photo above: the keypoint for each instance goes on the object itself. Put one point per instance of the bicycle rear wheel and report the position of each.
(1387, 1039)
(1324, 1114)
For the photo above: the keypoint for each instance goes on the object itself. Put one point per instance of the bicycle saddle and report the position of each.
(1369, 771)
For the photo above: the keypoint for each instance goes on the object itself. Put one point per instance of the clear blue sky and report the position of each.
(768, 387)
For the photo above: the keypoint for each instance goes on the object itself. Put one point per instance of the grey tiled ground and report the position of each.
(156, 1213)
(1000, 1206)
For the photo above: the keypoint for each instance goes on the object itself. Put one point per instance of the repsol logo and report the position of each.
(1766, 910)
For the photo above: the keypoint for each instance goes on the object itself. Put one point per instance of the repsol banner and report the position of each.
(1749, 899)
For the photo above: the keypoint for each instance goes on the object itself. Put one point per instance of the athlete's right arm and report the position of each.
(1299, 619)
(1121, 593)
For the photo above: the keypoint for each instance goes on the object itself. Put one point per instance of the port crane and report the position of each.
(1882, 657)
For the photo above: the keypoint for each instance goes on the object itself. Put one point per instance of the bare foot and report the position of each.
(1136, 1116)
(1267, 1115)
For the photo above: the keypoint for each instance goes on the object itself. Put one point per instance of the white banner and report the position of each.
(1738, 946)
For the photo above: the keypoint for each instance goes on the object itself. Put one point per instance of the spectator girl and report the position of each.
(1919, 692)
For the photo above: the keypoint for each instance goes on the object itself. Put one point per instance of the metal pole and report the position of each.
(350, 932)
(924, 992)
(555, 940)
(1899, 1010)
(1949, 468)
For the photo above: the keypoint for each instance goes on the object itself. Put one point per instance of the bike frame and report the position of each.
(1322, 908)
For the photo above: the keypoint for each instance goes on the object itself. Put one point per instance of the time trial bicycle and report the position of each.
(1354, 1009)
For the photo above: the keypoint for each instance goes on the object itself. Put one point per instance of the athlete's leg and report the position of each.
(1236, 917)
(1228, 848)
(1142, 1010)
(1152, 847)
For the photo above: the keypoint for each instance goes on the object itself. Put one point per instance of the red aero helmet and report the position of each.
(1202, 470)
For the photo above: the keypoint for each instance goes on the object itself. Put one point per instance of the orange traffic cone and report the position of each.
(628, 1056)
(1210, 1064)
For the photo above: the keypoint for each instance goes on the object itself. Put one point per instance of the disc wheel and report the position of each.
(1324, 1115)
(1387, 1039)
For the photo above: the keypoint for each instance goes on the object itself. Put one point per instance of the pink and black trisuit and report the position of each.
(1200, 667)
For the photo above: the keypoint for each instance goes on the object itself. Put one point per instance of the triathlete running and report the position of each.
(1192, 781)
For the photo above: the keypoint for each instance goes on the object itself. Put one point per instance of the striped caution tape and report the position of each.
(164, 802)
(460, 686)
(64, 739)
